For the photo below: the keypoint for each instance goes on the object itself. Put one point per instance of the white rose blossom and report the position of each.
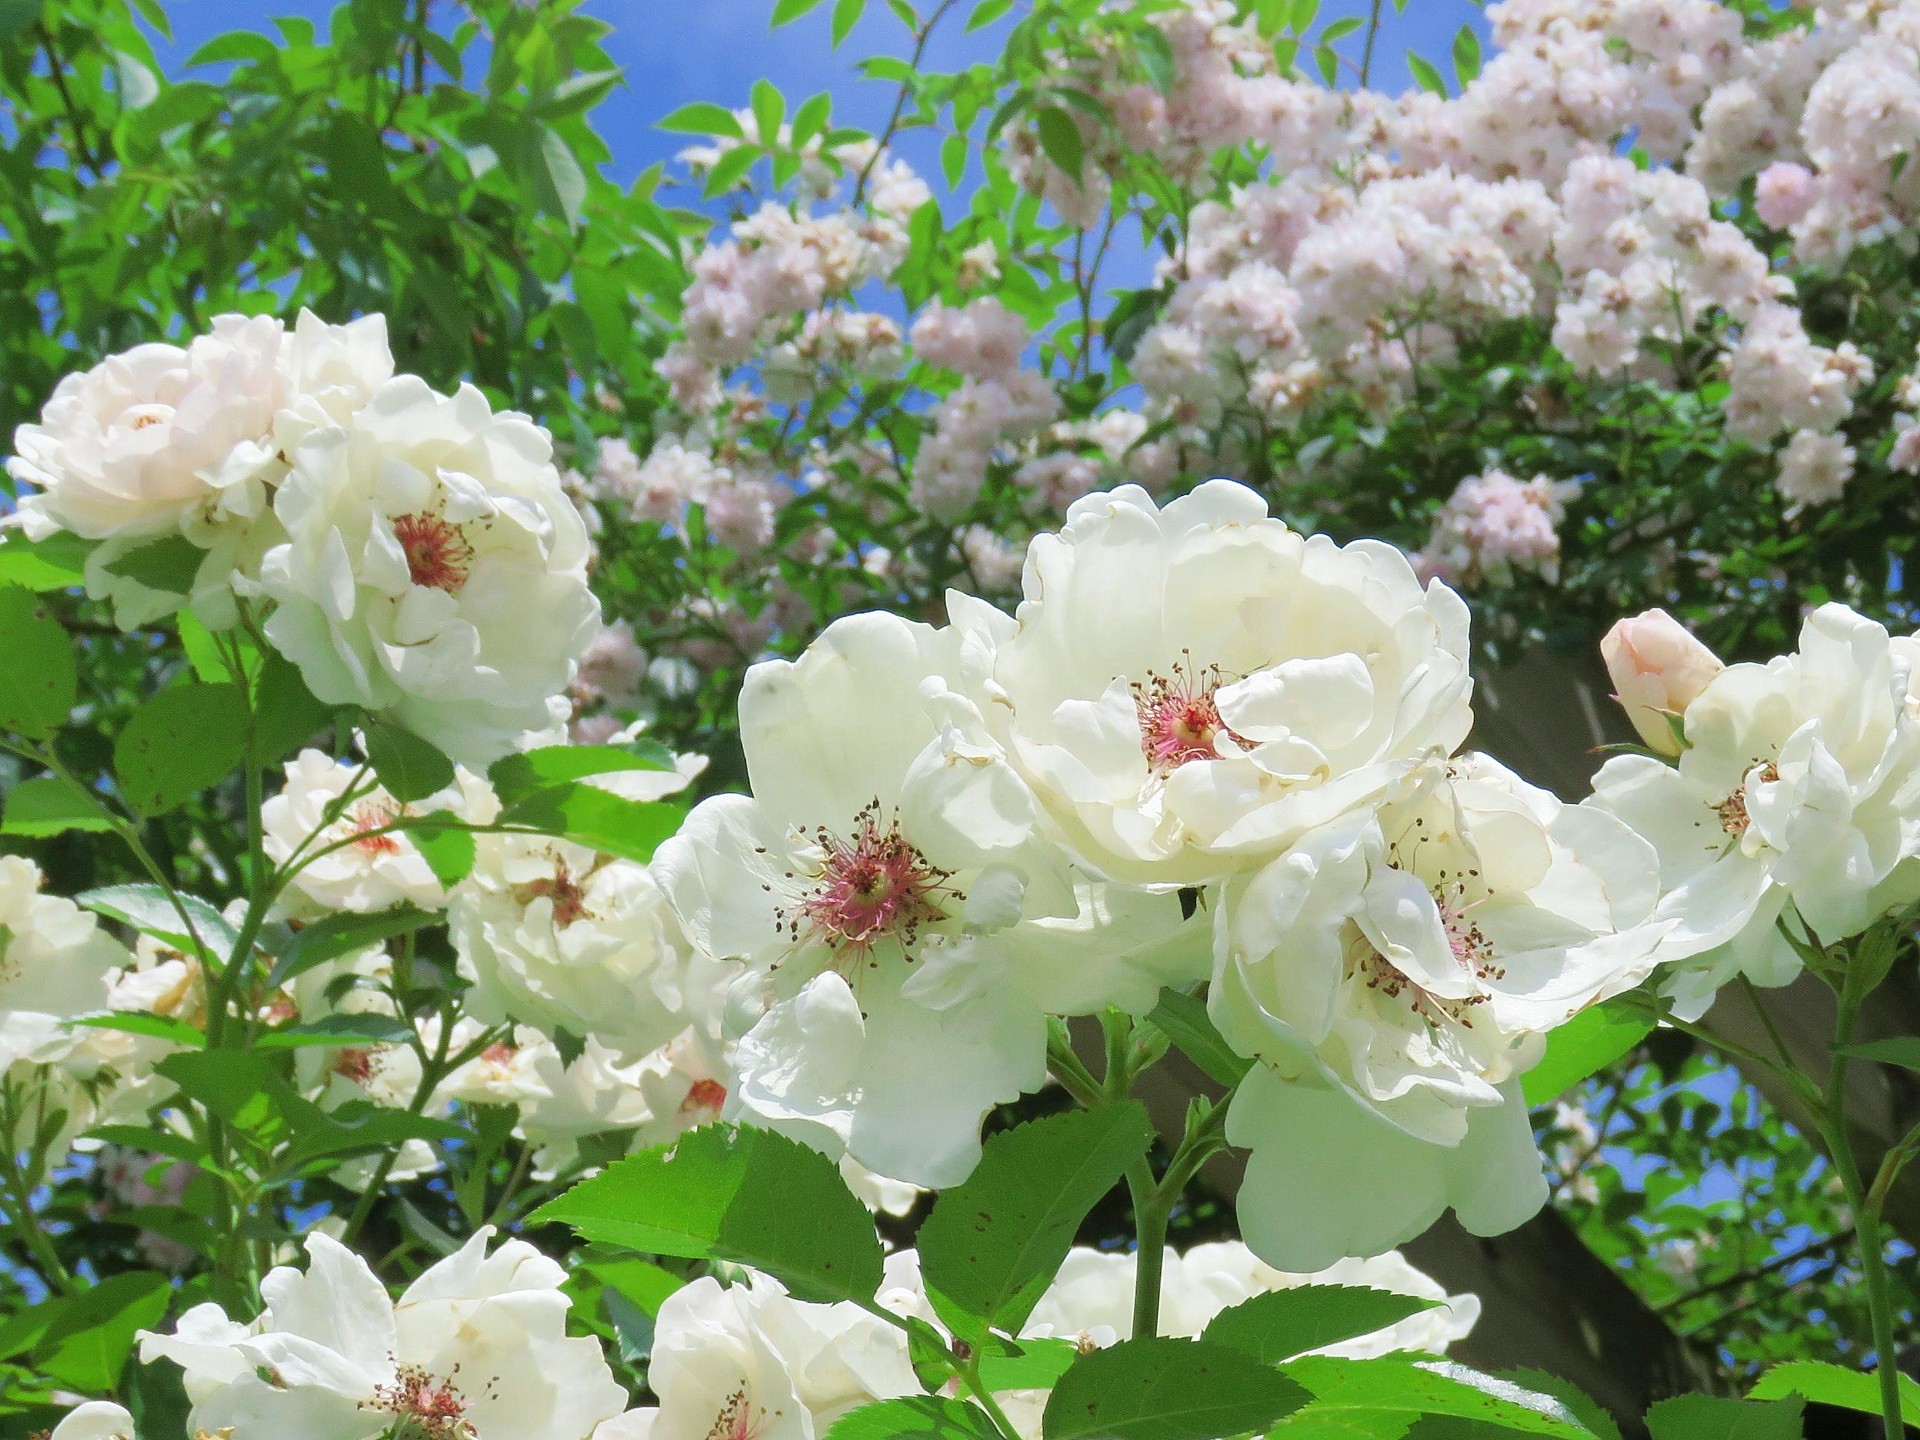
(94, 1420)
(434, 571)
(1794, 802)
(886, 889)
(476, 1346)
(1190, 687)
(1411, 958)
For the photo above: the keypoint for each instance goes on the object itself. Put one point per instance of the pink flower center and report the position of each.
(568, 895)
(355, 1065)
(877, 884)
(735, 1420)
(1179, 720)
(425, 1407)
(438, 555)
(499, 1054)
(373, 816)
(706, 1097)
(1732, 811)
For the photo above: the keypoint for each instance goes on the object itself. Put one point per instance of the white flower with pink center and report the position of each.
(1403, 966)
(904, 931)
(1190, 687)
(434, 570)
(475, 1349)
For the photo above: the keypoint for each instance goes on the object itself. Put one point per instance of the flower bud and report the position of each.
(1657, 669)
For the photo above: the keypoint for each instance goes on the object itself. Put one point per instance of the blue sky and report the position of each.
(674, 51)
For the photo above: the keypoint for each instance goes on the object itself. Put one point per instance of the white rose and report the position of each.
(751, 1360)
(1796, 789)
(371, 871)
(94, 1420)
(434, 572)
(1416, 954)
(1191, 686)
(476, 1346)
(877, 885)
(557, 936)
(163, 440)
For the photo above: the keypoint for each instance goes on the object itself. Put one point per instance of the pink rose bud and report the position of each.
(1657, 668)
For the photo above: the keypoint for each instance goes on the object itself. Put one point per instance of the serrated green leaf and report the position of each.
(749, 1196)
(366, 1028)
(409, 768)
(1185, 1021)
(1402, 1385)
(55, 563)
(1038, 1365)
(286, 714)
(1282, 1324)
(915, 1417)
(994, 1242)
(89, 1336)
(146, 908)
(332, 936)
(1708, 1417)
(168, 564)
(186, 739)
(1166, 1389)
(1902, 1051)
(1585, 1045)
(598, 819)
(521, 774)
(38, 683)
(559, 184)
(448, 847)
(1825, 1383)
(154, 1027)
(50, 806)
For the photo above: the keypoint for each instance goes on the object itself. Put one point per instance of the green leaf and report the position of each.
(598, 819)
(50, 806)
(235, 45)
(1281, 1324)
(207, 653)
(749, 1196)
(641, 1281)
(846, 15)
(353, 1030)
(702, 117)
(559, 184)
(38, 682)
(1708, 1417)
(769, 109)
(186, 739)
(409, 768)
(90, 1335)
(1165, 1389)
(1060, 139)
(1304, 12)
(1338, 30)
(1466, 56)
(154, 1027)
(1426, 74)
(811, 119)
(1828, 1384)
(18, 17)
(1365, 1392)
(994, 1242)
(1901, 1050)
(147, 909)
(916, 1417)
(1585, 1045)
(1038, 1365)
(286, 714)
(334, 935)
(169, 564)
(55, 563)
(516, 776)
(1184, 1021)
(730, 169)
(447, 847)
(953, 159)
(1582, 1406)
(785, 12)
(986, 12)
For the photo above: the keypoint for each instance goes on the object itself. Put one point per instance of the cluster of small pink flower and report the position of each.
(1493, 526)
